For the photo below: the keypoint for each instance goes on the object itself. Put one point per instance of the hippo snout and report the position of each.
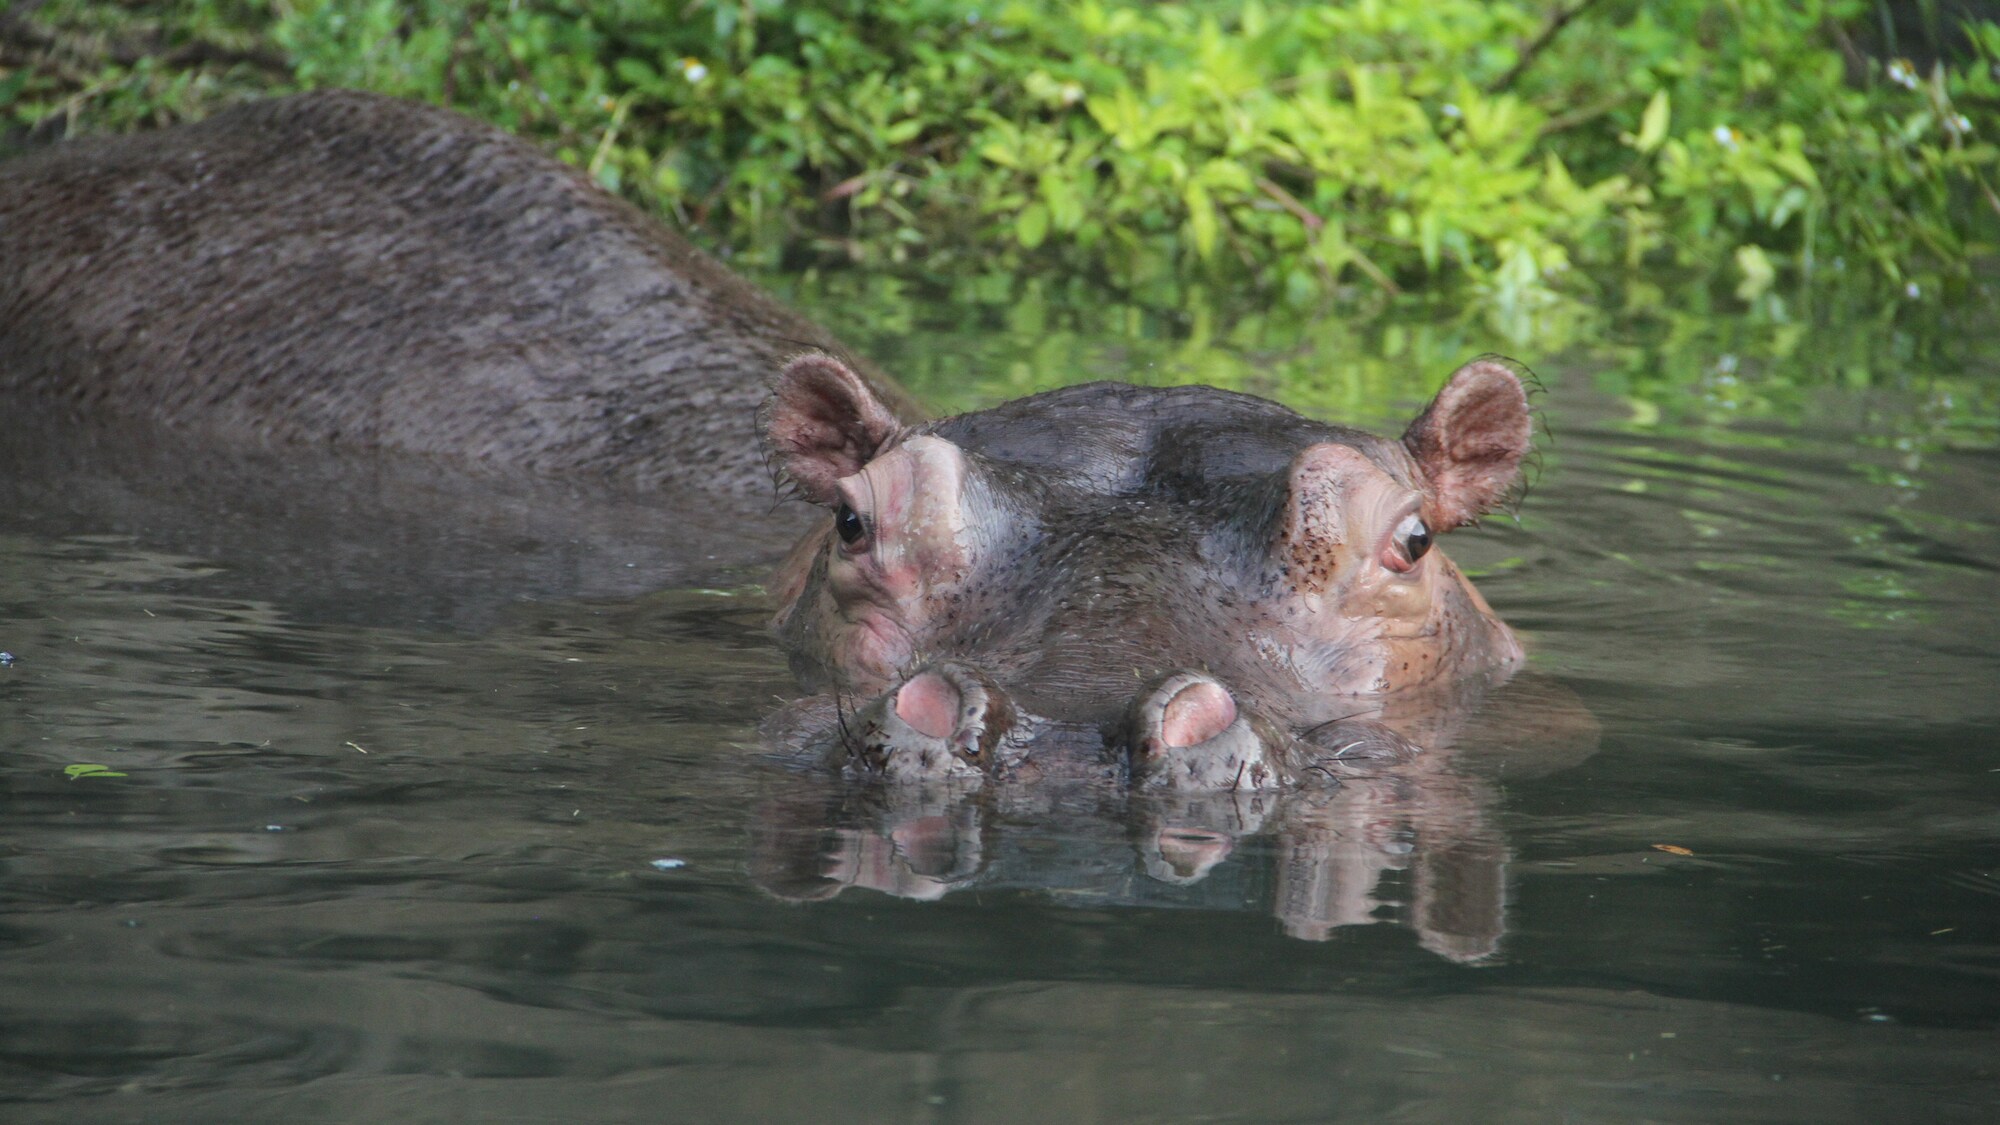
(1188, 733)
(1184, 733)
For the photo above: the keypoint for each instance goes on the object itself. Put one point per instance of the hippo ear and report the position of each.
(823, 423)
(1469, 443)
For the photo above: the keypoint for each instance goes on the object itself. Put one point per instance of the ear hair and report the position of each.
(1469, 442)
(823, 423)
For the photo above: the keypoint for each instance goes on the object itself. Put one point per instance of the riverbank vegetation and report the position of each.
(1518, 154)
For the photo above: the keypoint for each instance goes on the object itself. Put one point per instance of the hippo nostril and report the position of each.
(1196, 713)
(929, 704)
(1188, 733)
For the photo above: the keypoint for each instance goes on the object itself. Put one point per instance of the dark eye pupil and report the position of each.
(848, 522)
(1418, 541)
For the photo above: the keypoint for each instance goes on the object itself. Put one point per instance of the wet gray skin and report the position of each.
(1217, 587)
(352, 271)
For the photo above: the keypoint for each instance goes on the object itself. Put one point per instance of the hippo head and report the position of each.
(1211, 579)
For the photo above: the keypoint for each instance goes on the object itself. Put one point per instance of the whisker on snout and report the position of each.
(849, 741)
(1338, 719)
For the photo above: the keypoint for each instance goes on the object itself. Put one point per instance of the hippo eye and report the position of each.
(1412, 542)
(1416, 538)
(847, 521)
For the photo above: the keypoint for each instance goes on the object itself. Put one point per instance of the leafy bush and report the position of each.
(1514, 148)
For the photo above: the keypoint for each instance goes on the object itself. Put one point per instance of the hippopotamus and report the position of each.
(1210, 587)
(1216, 582)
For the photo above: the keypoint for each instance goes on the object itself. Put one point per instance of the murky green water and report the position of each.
(433, 800)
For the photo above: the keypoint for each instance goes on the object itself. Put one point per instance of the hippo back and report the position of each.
(353, 270)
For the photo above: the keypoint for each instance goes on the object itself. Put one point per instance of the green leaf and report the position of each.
(1791, 202)
(1001, 153)
(1653, 123)
(1758, 273)
(1202, 225)
(1033, 225)
(1794, 164)
(636, 72)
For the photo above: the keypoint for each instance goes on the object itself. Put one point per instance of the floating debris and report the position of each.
(669, 864)
(90, 769)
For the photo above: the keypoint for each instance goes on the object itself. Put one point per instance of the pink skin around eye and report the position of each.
(892, 552)
(883, 585)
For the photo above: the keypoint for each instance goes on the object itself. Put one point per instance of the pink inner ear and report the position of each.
(1469, 443)
(825, 424)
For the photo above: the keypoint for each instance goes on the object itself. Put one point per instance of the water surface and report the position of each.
(401, 796)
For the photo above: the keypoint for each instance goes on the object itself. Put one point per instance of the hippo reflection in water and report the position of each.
(1416, 843)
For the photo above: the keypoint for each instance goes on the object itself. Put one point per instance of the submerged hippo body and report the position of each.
(349, 270)
(1205, 587)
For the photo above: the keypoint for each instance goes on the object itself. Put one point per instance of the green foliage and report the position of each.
(1701, 363)
(1511, 150)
